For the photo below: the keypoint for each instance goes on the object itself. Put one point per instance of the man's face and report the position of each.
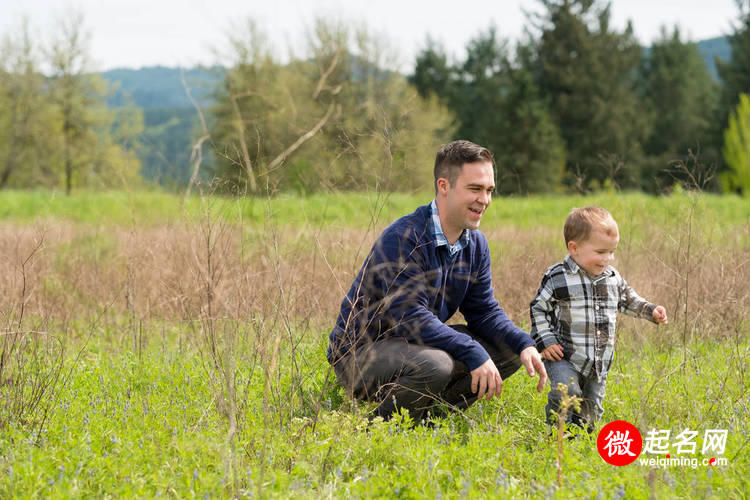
(467, 199)
(597, 252)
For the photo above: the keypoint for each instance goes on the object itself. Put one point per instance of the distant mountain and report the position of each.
(161, 87)
(169, 118)
(715, 47)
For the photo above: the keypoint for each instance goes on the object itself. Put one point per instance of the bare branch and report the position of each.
(326, 73)
(239, 126)
(196, 155)
(300, 141)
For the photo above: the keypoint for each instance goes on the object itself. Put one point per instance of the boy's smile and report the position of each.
(595, 253)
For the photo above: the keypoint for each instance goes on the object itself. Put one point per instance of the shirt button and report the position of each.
(596, 307)
(598, 332)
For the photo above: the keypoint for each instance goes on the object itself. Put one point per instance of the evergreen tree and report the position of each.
(498, 104)
(589, 73)
(734, 74)
(529, 151)
(680, 98)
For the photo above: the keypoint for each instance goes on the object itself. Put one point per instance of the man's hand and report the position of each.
(533, 363)
(553, 352)
(660, 315)
(486, 379)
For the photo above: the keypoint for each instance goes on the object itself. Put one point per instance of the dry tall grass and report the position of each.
(302, 274)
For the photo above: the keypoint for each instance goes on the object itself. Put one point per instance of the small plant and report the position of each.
(566, 403)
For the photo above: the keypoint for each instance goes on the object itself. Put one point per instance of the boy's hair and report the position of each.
(581, 221)
(452, 156)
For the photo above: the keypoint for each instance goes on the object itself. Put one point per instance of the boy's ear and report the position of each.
(572, 247)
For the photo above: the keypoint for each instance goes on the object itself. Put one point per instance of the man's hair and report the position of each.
(581, 221)
(452, 156)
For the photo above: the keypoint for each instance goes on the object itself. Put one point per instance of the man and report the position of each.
(390, 343)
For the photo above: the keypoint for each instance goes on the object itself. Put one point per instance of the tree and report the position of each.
(529, 151)
(680, 98)
(498, 104)
(737, 149)
(589, 73)
(335, 118)
(735, 73)
(89, 155)
(28, 126)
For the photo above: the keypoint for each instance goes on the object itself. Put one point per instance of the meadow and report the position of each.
(161, 347)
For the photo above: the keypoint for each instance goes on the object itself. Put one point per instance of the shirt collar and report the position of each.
(439, 235)
(573, 268)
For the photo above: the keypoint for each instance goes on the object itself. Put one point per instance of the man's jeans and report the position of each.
(589, 390)
(416, 377)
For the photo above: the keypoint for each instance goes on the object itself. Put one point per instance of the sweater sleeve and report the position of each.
(400, 275)
(483, 313)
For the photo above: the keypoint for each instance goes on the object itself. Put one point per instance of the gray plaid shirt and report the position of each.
(578, 311)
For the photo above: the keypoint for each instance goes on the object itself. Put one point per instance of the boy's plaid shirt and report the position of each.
(579, 312)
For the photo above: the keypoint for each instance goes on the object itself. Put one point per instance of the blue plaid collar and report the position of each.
(440, 239)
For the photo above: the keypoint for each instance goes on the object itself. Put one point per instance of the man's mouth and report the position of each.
(477, 211)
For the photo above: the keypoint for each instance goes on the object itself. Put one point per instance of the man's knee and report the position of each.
(434, 367)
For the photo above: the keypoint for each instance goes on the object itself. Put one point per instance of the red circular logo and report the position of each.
(619, 443)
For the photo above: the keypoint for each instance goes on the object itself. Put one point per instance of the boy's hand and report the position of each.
(660, 315)
(555, 352)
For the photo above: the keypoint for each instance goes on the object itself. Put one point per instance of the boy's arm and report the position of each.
(542, 310)
(632, 304)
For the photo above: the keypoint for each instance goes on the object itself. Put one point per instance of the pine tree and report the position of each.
(589, 72)
(680, 98)
(498, 104)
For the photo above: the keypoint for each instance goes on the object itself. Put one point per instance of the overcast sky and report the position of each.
(135, 33)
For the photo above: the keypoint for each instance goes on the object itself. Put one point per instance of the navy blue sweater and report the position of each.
(408, 287)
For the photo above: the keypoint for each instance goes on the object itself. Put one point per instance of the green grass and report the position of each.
(145, 426)
(343, 209)
(149, 422)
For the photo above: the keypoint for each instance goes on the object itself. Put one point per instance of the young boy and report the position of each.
(574, 312)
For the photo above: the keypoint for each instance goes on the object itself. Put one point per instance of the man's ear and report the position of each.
(443, 185)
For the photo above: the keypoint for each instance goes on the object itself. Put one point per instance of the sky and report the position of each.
(137, 33)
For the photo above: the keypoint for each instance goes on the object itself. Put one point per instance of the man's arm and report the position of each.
(483, 313)
(486, 318)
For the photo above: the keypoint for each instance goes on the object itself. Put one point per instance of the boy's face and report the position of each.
(595, 253)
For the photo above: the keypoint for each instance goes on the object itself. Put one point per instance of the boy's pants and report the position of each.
(589, 390)
(416, 377)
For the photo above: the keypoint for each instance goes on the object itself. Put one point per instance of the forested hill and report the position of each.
(171, 121)
(161, 87)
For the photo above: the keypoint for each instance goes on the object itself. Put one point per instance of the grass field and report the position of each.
(161, 348)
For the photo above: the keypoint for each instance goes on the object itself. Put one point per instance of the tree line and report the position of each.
(576, 105)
